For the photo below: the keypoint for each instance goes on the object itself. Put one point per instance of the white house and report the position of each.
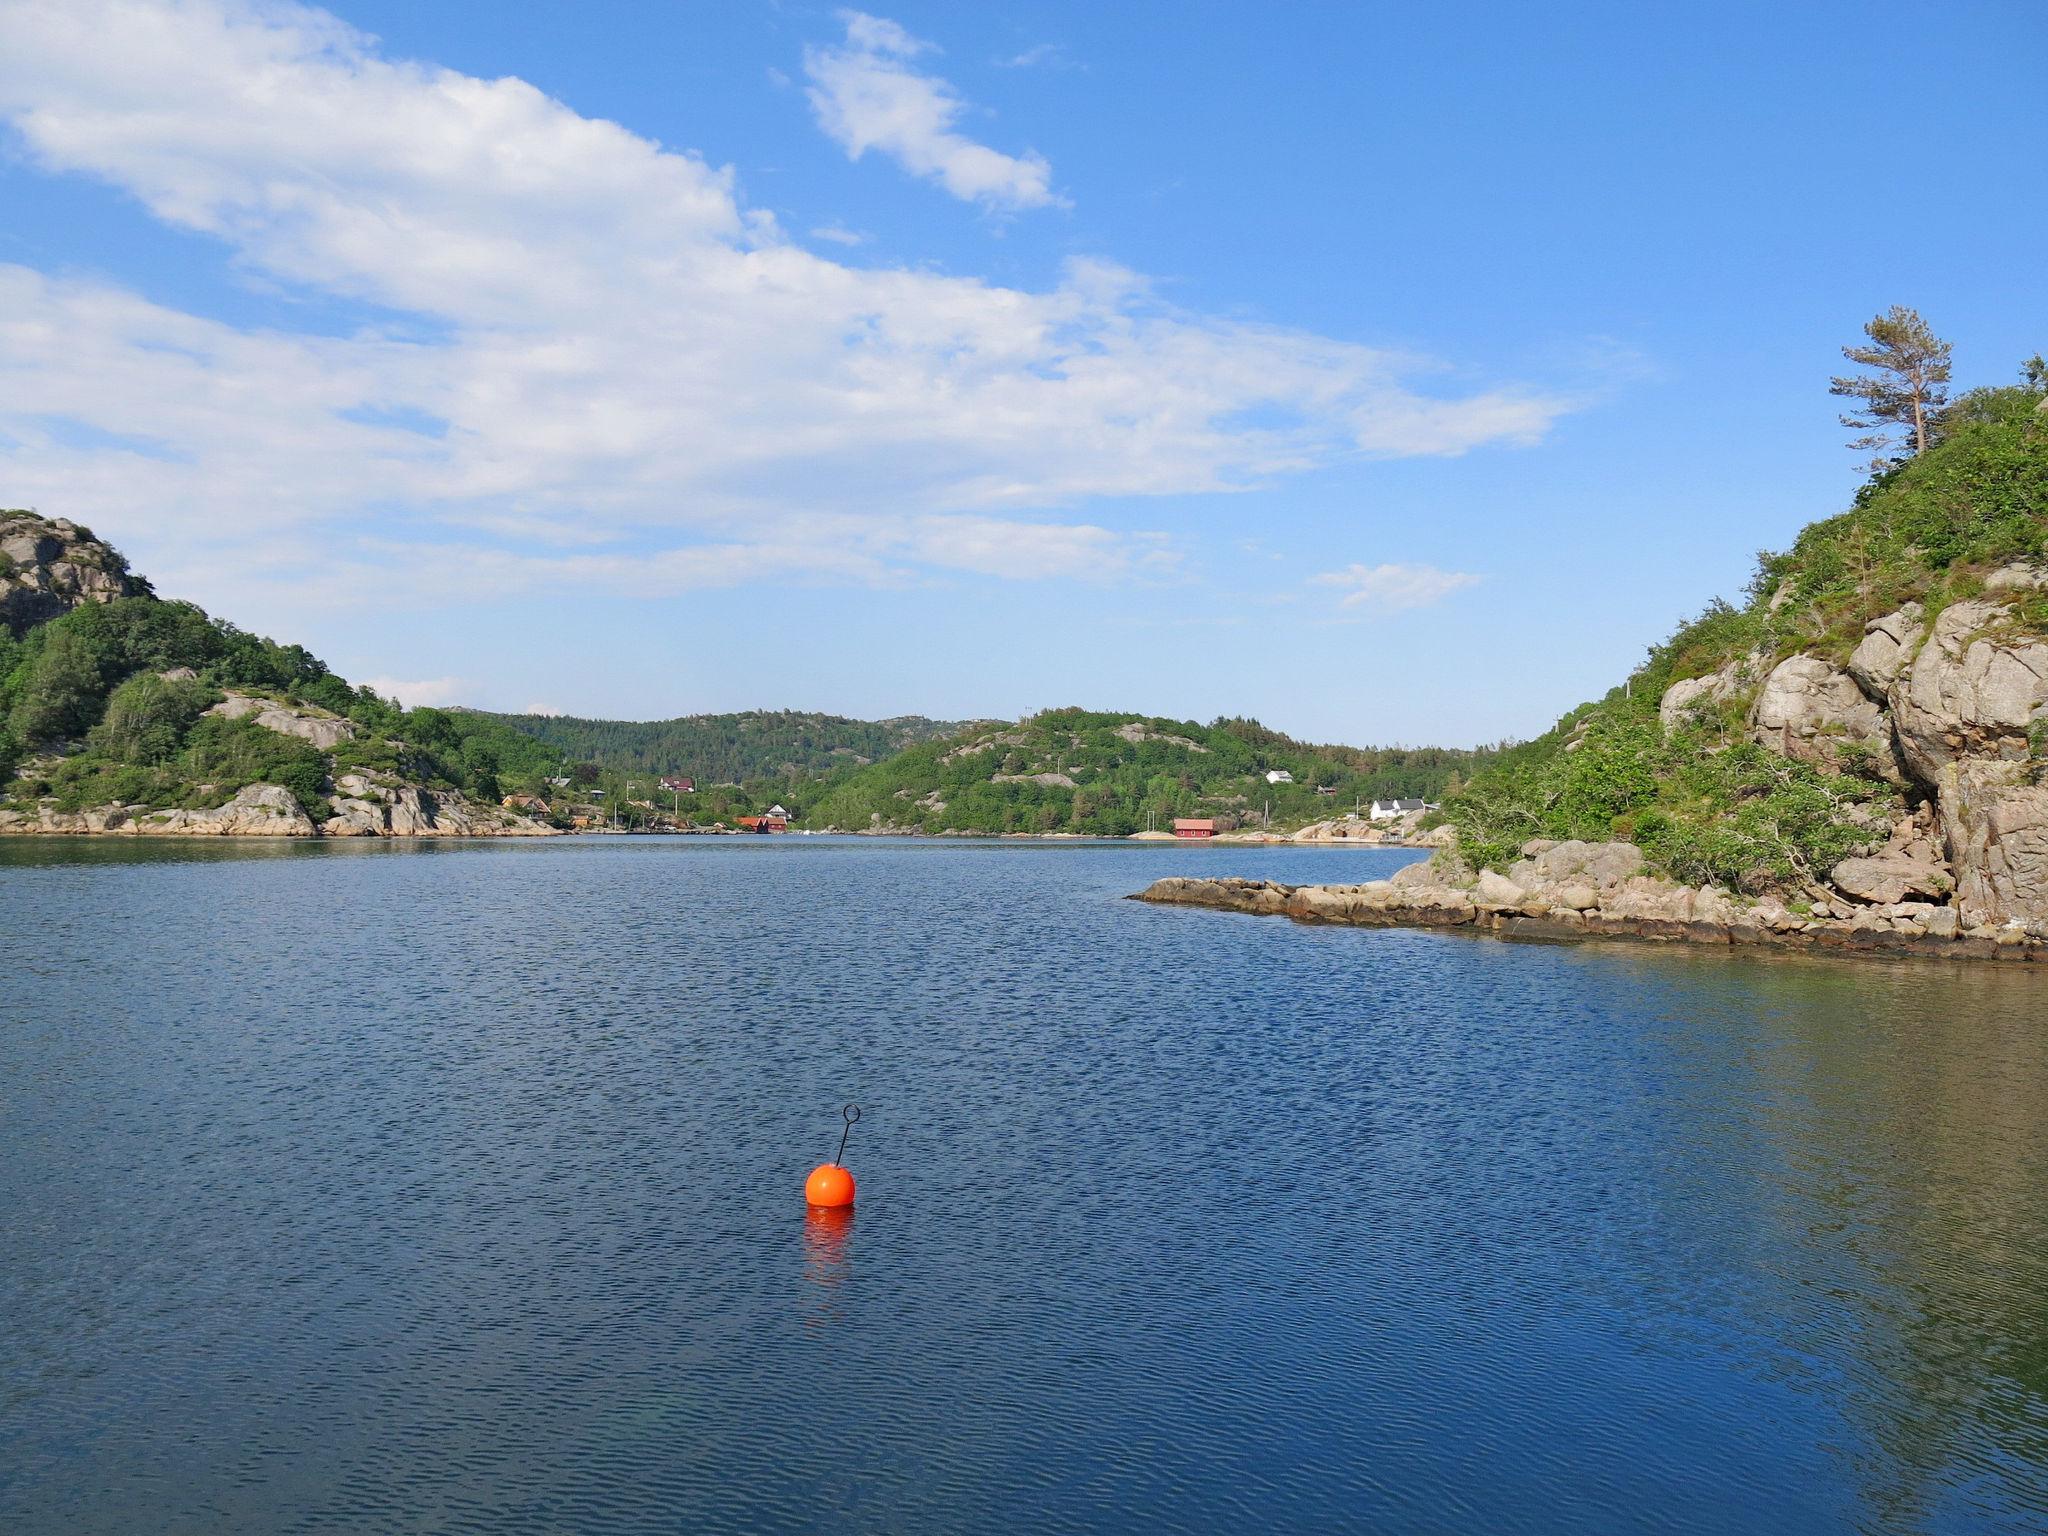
(1394, 810)
(1279, 776)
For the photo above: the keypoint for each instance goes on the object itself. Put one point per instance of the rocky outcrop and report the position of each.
(364, 808)
(361, 809)
(48, 566)
(1634, 906)
(322, 728)
(259, 810)
(1888, 643)
(1974, 690)
(1399, 832)
(1816, 713)
(1994, 820)
(1688, 695)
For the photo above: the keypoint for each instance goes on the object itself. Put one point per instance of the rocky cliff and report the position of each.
(1867, 731)
(1953, 709)
(49, 566)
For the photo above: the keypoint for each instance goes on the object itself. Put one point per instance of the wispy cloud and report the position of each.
(584, 359)
(838, 234)
(867, 96)
(1391, 588)
(1039, 56)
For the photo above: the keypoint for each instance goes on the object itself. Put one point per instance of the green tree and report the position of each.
(147, 717)
(1905, 394)
(60, 696)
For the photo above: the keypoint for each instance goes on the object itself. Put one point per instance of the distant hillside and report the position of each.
(1072, 770)
(721, 749)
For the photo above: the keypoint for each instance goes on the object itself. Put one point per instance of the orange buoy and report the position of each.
(829, 1185)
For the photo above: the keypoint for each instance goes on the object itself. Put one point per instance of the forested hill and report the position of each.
(1074, 770)
(729, 749)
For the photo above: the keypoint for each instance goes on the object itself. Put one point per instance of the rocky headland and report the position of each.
(86, 709)
(1577, 890)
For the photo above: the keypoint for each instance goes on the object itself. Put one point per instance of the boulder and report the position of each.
(1973, 691)
(1888, 644)
(1497, 893)
(1599, 865)
(1688, 694)
(1887, 878)
(1814, 712)
(2022, 576)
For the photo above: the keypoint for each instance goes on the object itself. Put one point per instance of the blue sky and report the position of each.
(1390, 373)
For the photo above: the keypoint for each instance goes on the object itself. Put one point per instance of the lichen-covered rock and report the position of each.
(1814, 712)
(48, 566)
(1973, 691)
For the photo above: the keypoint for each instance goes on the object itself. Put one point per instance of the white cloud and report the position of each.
(867, 96)
(1390, 588)
(581, 358)
(432, 690)
(1050, 55)
(838, 234)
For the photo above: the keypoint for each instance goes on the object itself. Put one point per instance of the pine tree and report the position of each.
(1901, 402)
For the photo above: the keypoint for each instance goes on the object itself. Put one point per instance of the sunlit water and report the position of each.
(353, 1188)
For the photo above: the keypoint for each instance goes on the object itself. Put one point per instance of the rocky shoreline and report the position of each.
(268, 810)
(1578, 891)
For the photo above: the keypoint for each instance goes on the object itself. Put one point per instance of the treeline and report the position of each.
(757, 745)
(1073, 770)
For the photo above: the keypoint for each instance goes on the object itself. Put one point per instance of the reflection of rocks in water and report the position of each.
(1892, 1122)
(828, 1253)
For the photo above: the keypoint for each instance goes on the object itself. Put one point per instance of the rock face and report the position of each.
(48, 566)
(1973, 691)
(1995, 823)
(324, 730)
(366, 809)
(1815, 712)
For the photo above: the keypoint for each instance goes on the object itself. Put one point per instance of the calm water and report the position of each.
(365, 1188)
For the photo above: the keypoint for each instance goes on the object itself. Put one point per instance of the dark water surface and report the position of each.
(355, 1188)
